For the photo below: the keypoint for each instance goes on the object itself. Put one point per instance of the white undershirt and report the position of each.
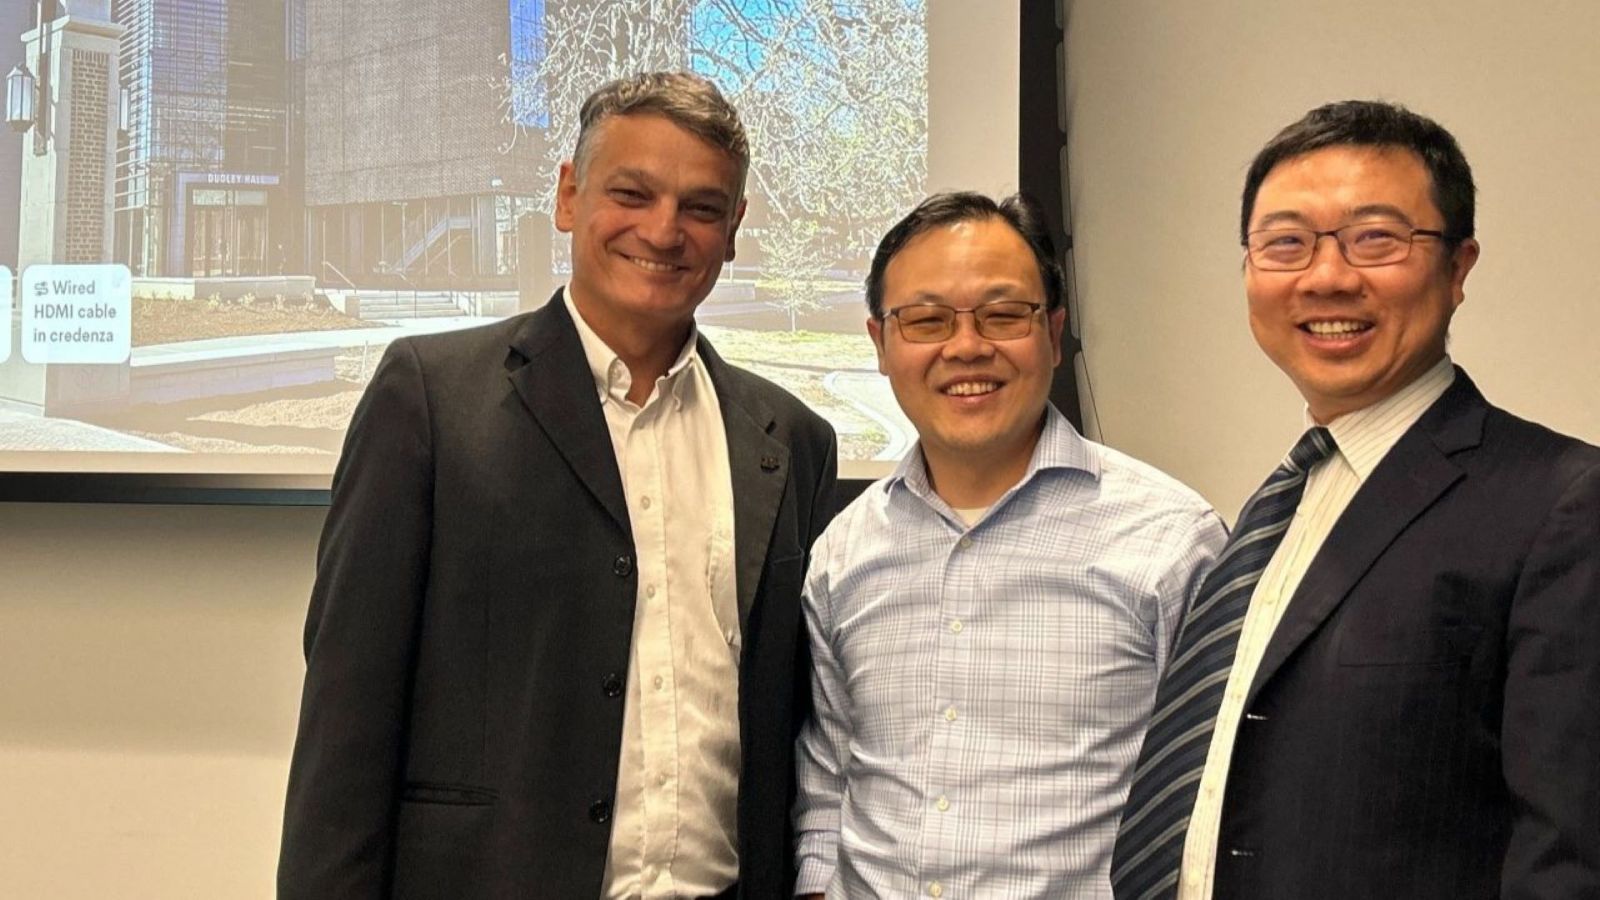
(1363, 437)
(678, 776)
(970, 515)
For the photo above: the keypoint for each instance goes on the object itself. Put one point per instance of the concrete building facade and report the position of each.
(422, 145)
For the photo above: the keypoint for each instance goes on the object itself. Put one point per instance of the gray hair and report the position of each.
(684, 98)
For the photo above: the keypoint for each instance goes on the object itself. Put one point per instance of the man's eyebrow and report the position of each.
(1295, 218)
(1377, 210)
(1000, 290)
(638, 175)
(707, 193)
(1279, 218)
(710, 194)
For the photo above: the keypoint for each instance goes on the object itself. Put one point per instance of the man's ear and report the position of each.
(1054, 323)
(733, 231)
(875, 331)
(566, 198)
(1461, 263)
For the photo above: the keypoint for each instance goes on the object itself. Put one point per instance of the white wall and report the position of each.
(149, 656)
(149, 682)
(1167, 103)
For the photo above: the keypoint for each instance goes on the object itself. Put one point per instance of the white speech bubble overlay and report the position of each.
(80, 314)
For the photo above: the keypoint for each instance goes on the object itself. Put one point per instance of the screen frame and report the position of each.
(1041, 168)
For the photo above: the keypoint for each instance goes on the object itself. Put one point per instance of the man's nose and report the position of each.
(1330, 272)
(660, 227)
(966, 342)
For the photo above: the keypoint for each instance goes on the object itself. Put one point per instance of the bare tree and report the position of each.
(833, 94)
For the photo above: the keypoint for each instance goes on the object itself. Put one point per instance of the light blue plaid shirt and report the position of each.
(981, 692)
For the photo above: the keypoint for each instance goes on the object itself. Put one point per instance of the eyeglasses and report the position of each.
(1362, 244)
(997, 320)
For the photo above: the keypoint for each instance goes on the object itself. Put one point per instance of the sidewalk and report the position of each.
(254, 344)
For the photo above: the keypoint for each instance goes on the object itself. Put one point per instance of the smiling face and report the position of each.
(652, 220)
(976, 403)
(1349, 337)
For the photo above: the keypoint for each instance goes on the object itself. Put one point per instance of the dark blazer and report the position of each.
(1426, 720)
(469, 632)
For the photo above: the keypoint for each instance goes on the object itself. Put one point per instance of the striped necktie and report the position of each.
(1149, 849)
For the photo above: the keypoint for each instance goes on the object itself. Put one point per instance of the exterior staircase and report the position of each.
(408, 304)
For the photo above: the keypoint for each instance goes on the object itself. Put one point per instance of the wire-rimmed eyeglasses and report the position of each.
(1361, 244)
(996, 320)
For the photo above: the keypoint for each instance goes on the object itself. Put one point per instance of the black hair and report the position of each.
(1371, 123)
(1017, 210)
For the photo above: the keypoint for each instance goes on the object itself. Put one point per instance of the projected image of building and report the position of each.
(15, 18)
(418, 156)
(206, 174)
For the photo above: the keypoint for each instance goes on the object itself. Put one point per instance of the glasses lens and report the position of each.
(1375, 243)
(925, 324)
(1004, 319)
(1282, 248)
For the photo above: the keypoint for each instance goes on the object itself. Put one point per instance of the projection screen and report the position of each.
(216, 214)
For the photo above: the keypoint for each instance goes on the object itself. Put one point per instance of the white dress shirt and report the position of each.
(678, 775)
(1363, 437)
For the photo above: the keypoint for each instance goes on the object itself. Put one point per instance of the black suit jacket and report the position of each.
(1426, 720)
(469, 632)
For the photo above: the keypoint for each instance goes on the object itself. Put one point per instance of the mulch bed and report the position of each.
(175, 321)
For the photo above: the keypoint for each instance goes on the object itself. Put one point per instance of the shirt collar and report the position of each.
(1365, 436)
(611, 375)
(1059, 447)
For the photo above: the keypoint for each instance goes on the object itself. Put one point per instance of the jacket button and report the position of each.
(612, 685)
(600, 812)
(623, 566)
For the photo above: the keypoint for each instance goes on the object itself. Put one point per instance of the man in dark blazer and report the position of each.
(472, 721)
(1408, 702)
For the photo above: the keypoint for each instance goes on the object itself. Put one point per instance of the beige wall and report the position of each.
(149, 656)
(149, 680)
(1169, 100)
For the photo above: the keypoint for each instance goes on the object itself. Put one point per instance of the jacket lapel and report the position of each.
(1414, 474)
(759, 466)
(550, 373)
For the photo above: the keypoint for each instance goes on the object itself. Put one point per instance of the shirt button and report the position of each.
(943, 804)
(644, 502)
(965, 542)
(650, 590)
(622, 566)
(956, 626)
(935, 889)
(659, 682)
(662, 779)
(950, 714)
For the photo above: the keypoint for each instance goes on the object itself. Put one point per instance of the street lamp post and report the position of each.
(41, 112)
(21, 94)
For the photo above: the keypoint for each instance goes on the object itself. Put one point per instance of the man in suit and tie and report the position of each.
(555, 646)
(1387, 688)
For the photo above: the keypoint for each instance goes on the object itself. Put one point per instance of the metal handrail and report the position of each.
(342, 277)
